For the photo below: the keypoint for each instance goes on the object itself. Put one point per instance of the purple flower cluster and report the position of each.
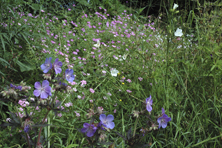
(57, 67)
(16, 87)
(163, 119)
(44, 90)
(90, 129)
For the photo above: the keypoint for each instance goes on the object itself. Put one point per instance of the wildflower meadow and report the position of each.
(110, 74)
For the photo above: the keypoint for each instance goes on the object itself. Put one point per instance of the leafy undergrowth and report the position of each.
(118, 65)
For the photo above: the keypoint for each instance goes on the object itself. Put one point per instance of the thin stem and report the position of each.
(134, 132)
(38, 141)
(28, 140)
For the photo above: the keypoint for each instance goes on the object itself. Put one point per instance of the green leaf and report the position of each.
(41, 125)
(72, 145)
(25, 66)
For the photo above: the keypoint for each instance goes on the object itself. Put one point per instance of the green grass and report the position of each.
(181, 76)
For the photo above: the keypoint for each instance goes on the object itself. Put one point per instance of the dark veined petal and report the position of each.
(102, 117)
(37, 85)
(47, 89)
(45, 83)
(36, 92)
(109, 118)
(43, 95)
(83, 130)
(110, 125)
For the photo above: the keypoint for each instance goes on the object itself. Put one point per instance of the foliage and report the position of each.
(119, 58)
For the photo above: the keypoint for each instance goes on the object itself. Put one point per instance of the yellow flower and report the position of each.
(123, 83)
(118, 73)
(120, 100)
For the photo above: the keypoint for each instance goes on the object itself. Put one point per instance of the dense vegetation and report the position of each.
(110, 74)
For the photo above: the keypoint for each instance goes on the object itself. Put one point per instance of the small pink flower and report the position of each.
(59, 114)
(68, 104)
(140, 78)
(37, 108)
(128, 80)
(91, 90)
(129, 91)
(114, 111)
(109, 94)
(77, 114)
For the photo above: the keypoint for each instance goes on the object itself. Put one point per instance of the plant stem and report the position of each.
(28, 140)
(38, 141)
(134, 132)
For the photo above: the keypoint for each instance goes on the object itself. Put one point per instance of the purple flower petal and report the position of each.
(111, 125)
(102, 117)
(86, 125)
(163, 111)
(69, 75)
(37, 93)
(57, 66)
(45, 83)
(37, 85)
(43, 95)
(84, 130)
(109, 118)
(47, 65)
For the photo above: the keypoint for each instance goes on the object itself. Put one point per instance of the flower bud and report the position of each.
(47, 76)
(100, 110)
(102, 137)
(136, 113)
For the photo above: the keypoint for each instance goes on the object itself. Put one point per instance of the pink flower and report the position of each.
(77, 114)
(128, 91)
(128, 80)
(140, 78)
(91, 90)
(114, 111)
(83, 83)
(23, 103)
(68, 104)
(59, 114)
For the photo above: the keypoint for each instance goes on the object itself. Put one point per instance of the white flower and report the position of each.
(124, 56)
(175, 6)
(114, 72)
(178, 32)
(97, 44)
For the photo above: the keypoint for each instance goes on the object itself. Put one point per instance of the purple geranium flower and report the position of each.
(47, 65)
(149, 102)
(107, 121)
(89, 129)
(57, 66)
(43, 91)
(69, 75)
(19, 87)
(163, 119)
(26, 128)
